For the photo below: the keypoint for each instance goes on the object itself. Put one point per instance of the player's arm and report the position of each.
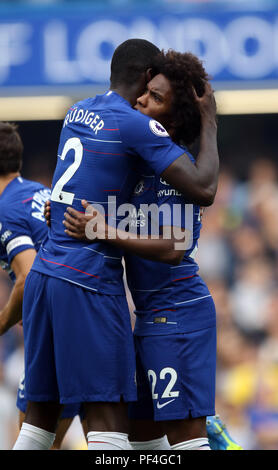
(156, 249)
(92, 226)
(198, 181)
(12, 311)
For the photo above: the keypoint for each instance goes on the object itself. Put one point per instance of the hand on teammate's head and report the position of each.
(206, 103)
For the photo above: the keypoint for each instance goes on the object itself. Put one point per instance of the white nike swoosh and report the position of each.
(164, 404)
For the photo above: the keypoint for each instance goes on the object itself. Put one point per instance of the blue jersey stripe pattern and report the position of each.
(103, 146)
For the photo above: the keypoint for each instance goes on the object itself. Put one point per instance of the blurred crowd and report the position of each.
(238, 258)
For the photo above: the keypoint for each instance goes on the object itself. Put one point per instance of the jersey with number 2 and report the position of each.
(103, 143)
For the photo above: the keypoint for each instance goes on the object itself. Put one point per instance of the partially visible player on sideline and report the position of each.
(102, 143)
(22, 229)
(175, 331)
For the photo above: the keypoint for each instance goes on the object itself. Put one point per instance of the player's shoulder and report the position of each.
(28, 188)
(11, 209)
(119, 106)
(18, 193)
(83, 104)
(97, 102)
(31, 185)
(143, 126)
(11, 194)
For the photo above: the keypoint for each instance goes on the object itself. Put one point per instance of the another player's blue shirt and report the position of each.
(22, 222)
(103, 143)
(159, 290)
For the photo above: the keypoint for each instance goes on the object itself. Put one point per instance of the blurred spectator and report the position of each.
(250, 293)
(213, 253)
(269, 349)
(238, 257)
(8, 414)
(247, 384)
(14, 364)
(247, 243)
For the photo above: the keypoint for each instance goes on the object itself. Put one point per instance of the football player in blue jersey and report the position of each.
(22, 229)
(74, 298)
(175, 330)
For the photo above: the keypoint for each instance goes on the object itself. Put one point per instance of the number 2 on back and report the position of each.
(58, 195)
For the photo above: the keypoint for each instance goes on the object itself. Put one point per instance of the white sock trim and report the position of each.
(107, 440)
(29, 428)
(34, 438)
(200, 443)
(118, 435)
(161, 443)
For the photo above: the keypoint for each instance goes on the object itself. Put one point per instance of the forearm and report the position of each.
(207, 161)
(155, 249)
(12, 311)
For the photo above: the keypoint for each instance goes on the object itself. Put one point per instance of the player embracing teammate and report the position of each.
(77, 332)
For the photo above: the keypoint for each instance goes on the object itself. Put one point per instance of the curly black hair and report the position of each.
(184, 71)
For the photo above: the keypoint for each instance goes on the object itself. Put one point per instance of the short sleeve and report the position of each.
(147, 138)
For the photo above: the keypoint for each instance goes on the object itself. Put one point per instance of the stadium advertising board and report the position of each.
(74, 47)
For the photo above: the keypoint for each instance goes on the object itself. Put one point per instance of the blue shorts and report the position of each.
(69, 411)
(175, 376)
(78, 344)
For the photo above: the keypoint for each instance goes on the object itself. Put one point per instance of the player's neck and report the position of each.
(128, 94)
(5, 180)
(131, 92)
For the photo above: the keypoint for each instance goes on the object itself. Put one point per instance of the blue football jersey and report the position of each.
(156, 286)
(22, 222)
(103, 144)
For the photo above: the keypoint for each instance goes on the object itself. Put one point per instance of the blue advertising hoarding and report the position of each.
(72, 47)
